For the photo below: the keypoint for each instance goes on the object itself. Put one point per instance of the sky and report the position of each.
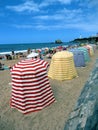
(33, 21)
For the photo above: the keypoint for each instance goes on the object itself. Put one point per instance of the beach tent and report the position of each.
(31, 90)
(91, 50)
(94, 46)
(79, 58)
(60, 48)
(86, 53)
(88, 49)
(62, 66)
(32, 54)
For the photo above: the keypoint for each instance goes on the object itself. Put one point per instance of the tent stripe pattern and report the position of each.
(62, 66)
(79, 58)
(31, 90)
(86, 54)
(91, 51)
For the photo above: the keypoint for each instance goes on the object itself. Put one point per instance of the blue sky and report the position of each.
(47, 20)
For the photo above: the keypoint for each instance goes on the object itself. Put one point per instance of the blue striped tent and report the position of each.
(86, 53)
(79, 58)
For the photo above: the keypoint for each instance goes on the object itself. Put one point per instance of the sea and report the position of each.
(21, 47)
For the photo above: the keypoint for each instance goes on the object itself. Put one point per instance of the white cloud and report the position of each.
(72, 14)
(88, 3)
(76, 11)
(88, 27)
(30, 5)
(84, 26)
(50, 17)
(93, 3)
(51, 2)
(65, 1)
(27, 6)
(79, 18)
(64, 15)
(81, 26)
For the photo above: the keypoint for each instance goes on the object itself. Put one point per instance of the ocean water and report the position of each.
(8, 48)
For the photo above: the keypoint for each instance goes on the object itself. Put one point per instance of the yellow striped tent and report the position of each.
(62, 66)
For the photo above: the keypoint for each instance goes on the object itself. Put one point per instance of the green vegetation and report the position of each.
(84, 40)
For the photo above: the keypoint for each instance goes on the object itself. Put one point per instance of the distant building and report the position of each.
(80, 36)
(96, 34)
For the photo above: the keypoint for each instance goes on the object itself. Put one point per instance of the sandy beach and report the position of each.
(52, 117)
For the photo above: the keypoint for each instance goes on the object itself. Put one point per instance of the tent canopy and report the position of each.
(31, 90)
(79, 58)
(91, 50)
(86, 53)
(62, 55)
(62, 66)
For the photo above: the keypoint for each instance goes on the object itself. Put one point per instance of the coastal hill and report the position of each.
(93, 40)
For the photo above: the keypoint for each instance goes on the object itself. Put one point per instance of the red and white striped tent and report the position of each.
(31, 90)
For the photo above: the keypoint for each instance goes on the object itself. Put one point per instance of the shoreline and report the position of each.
(8, 48)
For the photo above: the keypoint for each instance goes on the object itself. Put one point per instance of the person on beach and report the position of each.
(28, 51)
(13, 55)
(1, 66)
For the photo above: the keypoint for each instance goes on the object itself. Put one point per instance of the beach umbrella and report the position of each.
(31, 90)
(32, 54)
(62, 66)
(79, 58)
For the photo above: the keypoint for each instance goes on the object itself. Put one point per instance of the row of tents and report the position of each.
(31, 89)
(63, 64)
